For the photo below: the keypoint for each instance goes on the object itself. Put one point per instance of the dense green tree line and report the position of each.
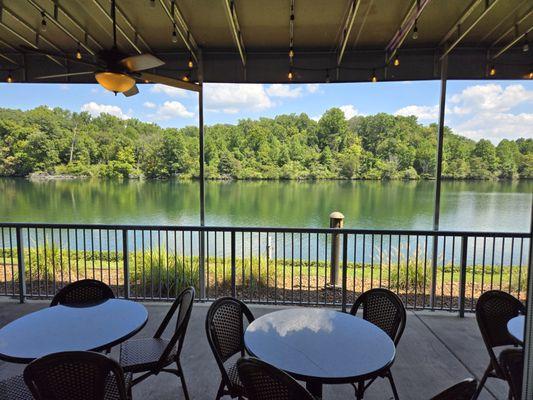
(381, 146)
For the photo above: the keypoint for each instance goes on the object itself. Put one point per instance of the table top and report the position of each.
(320, 345)
(69, 328)
(515, 326)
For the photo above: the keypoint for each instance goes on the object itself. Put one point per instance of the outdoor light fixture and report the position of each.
(174, 36)
(374, 77)
(415, 31)
(396, 61)
(186, 78)
(43, 22)
(115, 81)
(9, 78)
(290, 75)
(492, 70)
(78, 53)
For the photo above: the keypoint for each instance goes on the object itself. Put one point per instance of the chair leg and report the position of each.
(360, 390)
(182, 378)
(482, 382)
(220, 391)
(392, 385)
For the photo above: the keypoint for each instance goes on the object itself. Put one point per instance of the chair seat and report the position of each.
(140, 355)
(15, 388)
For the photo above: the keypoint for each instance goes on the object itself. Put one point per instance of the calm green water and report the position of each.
(499, 206)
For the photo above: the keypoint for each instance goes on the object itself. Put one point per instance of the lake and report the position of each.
(481, 205)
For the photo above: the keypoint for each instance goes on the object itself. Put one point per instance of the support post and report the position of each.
(336, 220)
(527, 377)
(201, 234)
(126, 257)
(462, 276)
(436, 210)
(21, 268)
(233, 266)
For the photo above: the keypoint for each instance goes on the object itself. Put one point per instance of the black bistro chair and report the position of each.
(384, 309)
(76, 375)
(493, 310)
(263, 381)
(460, 391)
(512, 364)
(224, 327)
(151, 356)
(83, 292)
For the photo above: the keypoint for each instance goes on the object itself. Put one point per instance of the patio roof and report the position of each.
(249, 41)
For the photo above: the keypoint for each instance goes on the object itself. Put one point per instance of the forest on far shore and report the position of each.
(382, 146)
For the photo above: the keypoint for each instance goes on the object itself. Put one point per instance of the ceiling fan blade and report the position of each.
(165, 80)
(141, 62)
(132, 92)
(65, 75)
(58, 55)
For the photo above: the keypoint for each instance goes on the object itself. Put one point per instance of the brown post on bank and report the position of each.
(336, 220)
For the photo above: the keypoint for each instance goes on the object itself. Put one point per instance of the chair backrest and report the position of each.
(82, 292)
(460, 391)
(224, 327)
(75, 375)
(493, 310)
(512, 365)
(384, 309)
(183, 303)
(263, 381)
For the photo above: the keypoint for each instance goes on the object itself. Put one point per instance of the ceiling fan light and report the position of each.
(115, 81)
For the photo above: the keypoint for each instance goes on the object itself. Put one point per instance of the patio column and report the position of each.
(201, 234)
(440, 140)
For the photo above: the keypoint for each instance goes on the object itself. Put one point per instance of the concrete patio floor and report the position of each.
(437, 350)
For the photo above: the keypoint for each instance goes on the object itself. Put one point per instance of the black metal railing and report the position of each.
(427, 269)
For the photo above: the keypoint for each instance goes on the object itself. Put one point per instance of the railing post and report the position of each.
(201, 269)
(434, 271)
(21, 268)
(336, 220)
(344, 269)
(233, 267)
(126, 257)
(462, 277)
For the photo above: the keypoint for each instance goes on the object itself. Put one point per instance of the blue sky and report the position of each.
(477, 109)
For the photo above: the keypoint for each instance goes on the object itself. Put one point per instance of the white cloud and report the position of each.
(170, 110)
(234, 98)
(149, 104)
(312, 87)
(491, 97)
(279, 90)
(349, 111)
(484, 112)
(168, 90)
(423, 113)
(96, 109)
(316, 117)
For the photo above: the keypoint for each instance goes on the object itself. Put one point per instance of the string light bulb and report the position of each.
(78, 53)
(374, 78)
(174, 36)
(43, 22)
(186, 78)
(9, 78)
(396, 61)
(525, 47)
(290, 75)
(190, 63)
(415, 30)
(291, 53)
(530, 75)
(492, 70)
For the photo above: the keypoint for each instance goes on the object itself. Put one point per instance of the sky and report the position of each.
(492, 110)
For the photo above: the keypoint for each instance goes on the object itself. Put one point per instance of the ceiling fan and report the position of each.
(116, 71)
